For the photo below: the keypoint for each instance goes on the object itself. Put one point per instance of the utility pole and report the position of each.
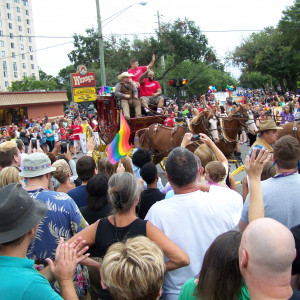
(163, 65)
(101, 48)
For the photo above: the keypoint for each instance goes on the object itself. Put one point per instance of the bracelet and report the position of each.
(89, 152)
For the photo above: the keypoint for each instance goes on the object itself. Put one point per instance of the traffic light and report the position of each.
(182, 81)
(172, 82)
(178, 82)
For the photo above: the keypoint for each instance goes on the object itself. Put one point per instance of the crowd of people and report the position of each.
(76, 228)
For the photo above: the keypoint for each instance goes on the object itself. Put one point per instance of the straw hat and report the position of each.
(268, 125)
(124, 74)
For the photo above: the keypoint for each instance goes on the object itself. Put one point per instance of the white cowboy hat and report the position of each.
(124, 74)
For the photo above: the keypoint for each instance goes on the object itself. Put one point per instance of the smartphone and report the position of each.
(63, 147)
(195, 137)
(33, 143)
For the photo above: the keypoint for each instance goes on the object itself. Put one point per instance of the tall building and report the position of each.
(17, 43)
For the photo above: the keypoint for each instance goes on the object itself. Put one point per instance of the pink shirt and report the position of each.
(149, 87)
(137, 73)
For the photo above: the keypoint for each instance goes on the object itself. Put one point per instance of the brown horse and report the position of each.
(230, 127)
(160, 140)
(292, 128)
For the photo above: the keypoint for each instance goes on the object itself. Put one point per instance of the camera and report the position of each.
(63, 147)
(33, 143)
(195, 137)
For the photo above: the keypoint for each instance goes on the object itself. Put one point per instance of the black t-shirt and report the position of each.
(296, 263)
(91, 216)
(148, 198)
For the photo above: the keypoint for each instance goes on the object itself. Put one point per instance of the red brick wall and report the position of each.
(52, 110)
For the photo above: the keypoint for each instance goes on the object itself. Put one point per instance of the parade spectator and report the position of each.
(10, 175)
(150, 92)
(280, 193)
(215, 173)
(9, 155)
(63, 218)
(128, 95)
(62, 131)
(98, 205)
(201, 214)
(140, 264)
(86, 169)
(287, 114)
(4, 137)
(77, 130)
(104, 166)
(49, 136)
(169, 120)
(268, 136)
(126, 164)
(124, 191)
(19, 279)
(137, 70)
(63, 175)
(266, 254)
(71, 138)
(220, 276)
(152, 194)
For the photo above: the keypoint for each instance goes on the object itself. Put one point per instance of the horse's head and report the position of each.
(246, 118)
(212, 125)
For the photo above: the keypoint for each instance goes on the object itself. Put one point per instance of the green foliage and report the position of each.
(274, 51)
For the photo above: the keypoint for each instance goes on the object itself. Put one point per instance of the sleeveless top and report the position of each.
(107, 234)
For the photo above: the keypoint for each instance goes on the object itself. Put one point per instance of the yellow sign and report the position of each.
(84, 94)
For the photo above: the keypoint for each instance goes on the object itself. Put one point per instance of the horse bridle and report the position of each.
(204, 123)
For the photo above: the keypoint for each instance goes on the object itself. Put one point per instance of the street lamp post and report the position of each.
(101, 48)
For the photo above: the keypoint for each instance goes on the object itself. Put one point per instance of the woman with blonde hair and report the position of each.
(124, 192)
(63, 174)
(10, 175)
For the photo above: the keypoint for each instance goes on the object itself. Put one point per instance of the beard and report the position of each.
(151, 78)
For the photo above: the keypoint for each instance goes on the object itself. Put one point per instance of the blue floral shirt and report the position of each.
(63, 219)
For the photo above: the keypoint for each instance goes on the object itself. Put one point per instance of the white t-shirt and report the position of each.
(193, 221)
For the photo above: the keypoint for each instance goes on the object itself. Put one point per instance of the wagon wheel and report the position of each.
(163, 163)
(99, 151)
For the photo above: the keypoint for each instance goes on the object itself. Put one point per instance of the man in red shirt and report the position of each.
(137, 70)
(150, 92)
(77, 130)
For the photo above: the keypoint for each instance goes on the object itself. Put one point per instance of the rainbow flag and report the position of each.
(120, 145)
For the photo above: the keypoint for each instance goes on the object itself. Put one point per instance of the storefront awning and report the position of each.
(31, 98)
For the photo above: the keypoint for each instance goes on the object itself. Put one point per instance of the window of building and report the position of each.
(2, 53)
(25, 2)
(16, 74)
(27, 12)
(24, 74)
(1, 33)
(30, 48)
(11, 35)
(9, 16)
(31, 57)
(28, 22)
(22, 46)
(28, 30)
(4, 66)
(5, 74)
(21, 37)
(33, 74)
(19, 19)
(1, 43)
(10, 26)
(30, 39)
(23, 56)
(17, 1)
(7, 5)
(32, 66)
(18, 9)
(13, 54)
(6, 84)
(12, 45)
(15, 66)
(24, 66)
(20, 28)
(0, 21)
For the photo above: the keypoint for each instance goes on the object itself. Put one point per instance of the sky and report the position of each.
(56, 21)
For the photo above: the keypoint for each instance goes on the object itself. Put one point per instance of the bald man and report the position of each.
(266, 253)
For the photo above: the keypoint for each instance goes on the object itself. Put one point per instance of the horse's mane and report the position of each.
(241, 109)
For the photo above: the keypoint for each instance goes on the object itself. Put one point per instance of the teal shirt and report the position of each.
(20, 281)
(50, 131)
(189, 288)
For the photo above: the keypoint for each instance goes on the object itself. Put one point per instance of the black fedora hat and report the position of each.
(18, 212)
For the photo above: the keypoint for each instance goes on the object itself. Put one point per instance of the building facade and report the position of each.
(17, 43)
(16, 107)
